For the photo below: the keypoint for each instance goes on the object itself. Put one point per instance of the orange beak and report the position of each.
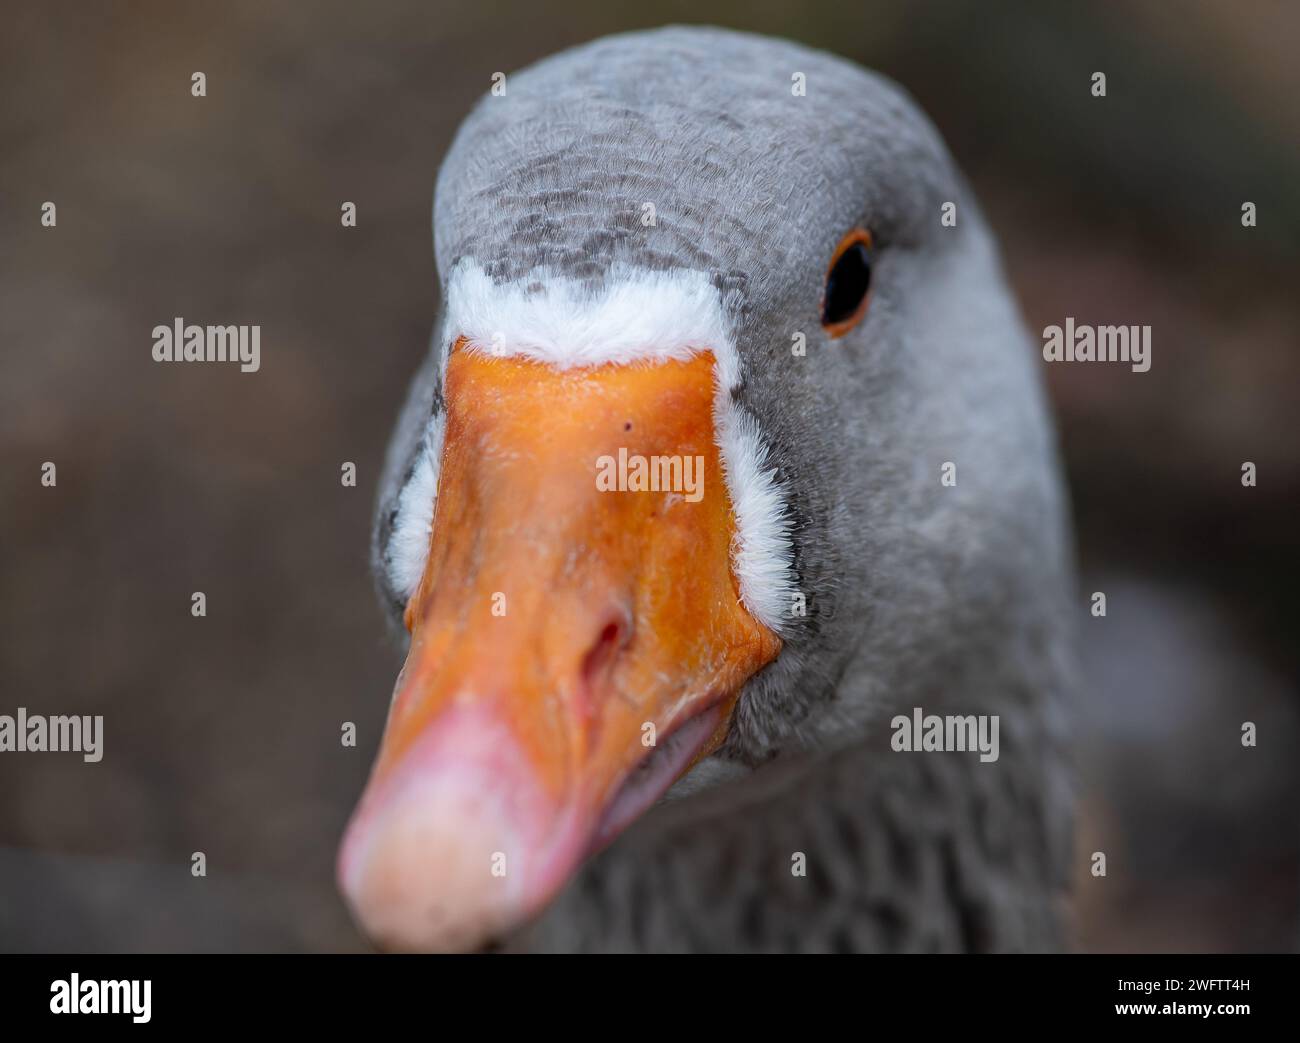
(577, 643)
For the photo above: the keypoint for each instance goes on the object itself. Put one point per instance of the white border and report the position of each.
(636, 316)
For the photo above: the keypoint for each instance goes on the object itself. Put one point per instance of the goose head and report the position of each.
(757, 263)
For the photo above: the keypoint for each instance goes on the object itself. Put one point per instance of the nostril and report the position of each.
(613, 637)
(594, 687)
(600, 655)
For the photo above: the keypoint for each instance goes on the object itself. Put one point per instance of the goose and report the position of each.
(633, 720)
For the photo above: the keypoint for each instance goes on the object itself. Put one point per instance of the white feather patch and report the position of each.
(408, 547)
(762, 556)
(637, 316)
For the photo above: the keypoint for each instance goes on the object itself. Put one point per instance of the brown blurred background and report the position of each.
(222, 734)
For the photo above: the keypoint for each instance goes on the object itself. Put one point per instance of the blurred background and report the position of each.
(222, 734)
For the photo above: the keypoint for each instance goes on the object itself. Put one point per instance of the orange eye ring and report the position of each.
(847, 289)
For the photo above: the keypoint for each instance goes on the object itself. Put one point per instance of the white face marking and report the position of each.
(408, 546)
(636, 316)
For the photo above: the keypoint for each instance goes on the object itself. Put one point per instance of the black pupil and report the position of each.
(847, 284)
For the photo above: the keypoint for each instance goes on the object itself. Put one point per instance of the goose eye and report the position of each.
(848, 281)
